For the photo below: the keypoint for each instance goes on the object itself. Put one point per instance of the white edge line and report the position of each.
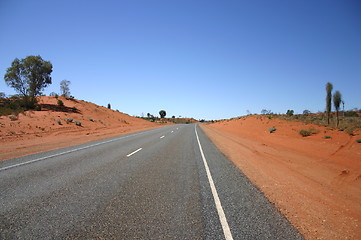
(162, 137)
(70, 151)
(222, 217)
(130, 154)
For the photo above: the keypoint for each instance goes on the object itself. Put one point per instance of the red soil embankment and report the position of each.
(38, 131)
(315, 182)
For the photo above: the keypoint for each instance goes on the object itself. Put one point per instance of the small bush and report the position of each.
(78, 123)
(59, 121)
(327, 137)
(350, 131)
(68, 120)
(60, 103)
(358, 140)
(91, 119)
(37, 108)
(271, 130)
(13, 117)
(305, 133)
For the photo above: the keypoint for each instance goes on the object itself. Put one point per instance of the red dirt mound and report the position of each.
(58, 126)
(314, 181)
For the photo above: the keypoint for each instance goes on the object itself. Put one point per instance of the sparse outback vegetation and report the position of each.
(271, 130)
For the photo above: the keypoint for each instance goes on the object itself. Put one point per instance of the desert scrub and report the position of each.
(13, 117)
(60, 103)
(350, 131)
(58, 121)
(91, 119)
(327, 137)
(358, 140)
(68, 120)
(272, 129)
(305, 133)
(78, 123)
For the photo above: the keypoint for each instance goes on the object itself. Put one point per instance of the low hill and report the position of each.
(56, 126)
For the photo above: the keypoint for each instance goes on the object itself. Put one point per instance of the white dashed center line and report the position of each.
(130, 154)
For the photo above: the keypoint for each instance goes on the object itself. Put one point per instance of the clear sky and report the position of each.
(194, 58)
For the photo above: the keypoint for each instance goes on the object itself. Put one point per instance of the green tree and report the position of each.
(329, 88)
(290, 113)
(29, 76)
(162, 113)
(109, 106)
(337, 99)
(306, 112)
(64, 88)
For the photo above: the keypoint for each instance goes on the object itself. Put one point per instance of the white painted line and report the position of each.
(130, 154)
(70, 151)
(222, 217)
(162, 137)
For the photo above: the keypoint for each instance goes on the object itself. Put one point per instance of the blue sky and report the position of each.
(200, 58)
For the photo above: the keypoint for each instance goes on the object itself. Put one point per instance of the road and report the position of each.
(166, 183)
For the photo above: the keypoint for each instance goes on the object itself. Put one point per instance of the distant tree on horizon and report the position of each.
(306, 112)
(329, 88)
(109, 106)
(29, 76)
(290, 112)
(162, 113)
(337, 98)
(64, 88)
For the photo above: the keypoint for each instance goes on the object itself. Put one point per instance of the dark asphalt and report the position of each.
(94, 191)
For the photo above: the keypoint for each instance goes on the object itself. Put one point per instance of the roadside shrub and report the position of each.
(358, 140)
(13, 117)
(37, 108)
(68, 120)
(327, 137)
(60, 103)
(58, 121)
(78, 123)
(349, 131)
(305, 133)
(271, 130)
(90, 119)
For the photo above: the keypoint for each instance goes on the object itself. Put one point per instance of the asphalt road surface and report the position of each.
(166, 183)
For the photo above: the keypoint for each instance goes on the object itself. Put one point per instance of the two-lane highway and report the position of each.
(166, 183)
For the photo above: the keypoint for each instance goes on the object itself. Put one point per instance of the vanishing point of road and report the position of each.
(165, 183)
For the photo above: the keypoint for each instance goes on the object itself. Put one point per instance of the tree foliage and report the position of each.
(337, 99)
(162, 113)
(290, 112)
(29, 76)
(64, 88)
(329, 88)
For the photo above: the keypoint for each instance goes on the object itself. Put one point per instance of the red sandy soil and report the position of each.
(314, 182)
(38, 131)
